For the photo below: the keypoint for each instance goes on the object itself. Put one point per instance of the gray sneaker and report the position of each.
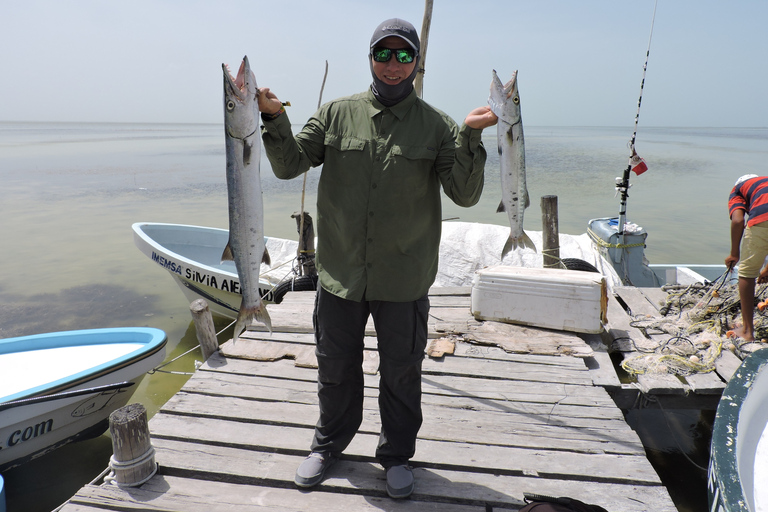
(400, 481)
(312, 470)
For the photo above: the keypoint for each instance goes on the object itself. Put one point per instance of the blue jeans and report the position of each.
(401, 328)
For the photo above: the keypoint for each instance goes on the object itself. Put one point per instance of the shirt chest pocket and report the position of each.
(345, 157)
(411, 168)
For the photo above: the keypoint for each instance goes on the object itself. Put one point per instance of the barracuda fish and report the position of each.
(246, 210)
(505, 103)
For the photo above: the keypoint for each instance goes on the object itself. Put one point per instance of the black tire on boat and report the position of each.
(577, 264)
(298, 284)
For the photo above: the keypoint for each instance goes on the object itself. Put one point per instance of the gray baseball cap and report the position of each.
(398, 28)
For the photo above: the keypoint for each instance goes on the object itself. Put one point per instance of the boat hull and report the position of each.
(192, 255)
(739, 450)
(63, 386)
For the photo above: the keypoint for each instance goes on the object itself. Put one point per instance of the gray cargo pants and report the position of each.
(402, 338)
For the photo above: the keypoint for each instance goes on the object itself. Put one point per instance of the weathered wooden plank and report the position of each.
(432, 484)
(660, 384)
(239, 384)
(523, 339)
(195, 495)
(272, 390)
(511, 370)
(487, 351)
(440, 423)
(484, 350)
(656, 296)
(462, 456)
(708, 383)
(727, 364)
(602, 371)
(623, 335)
(638, 302)
(450, 290)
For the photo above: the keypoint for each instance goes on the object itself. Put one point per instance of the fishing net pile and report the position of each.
(694, 329)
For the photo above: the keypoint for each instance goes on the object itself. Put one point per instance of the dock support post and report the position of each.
(551, 232)
(206, 333)
(133, 457)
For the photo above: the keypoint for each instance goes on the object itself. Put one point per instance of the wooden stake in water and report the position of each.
(418, 83)
(133, 458)
(206, 332)
(550, 232)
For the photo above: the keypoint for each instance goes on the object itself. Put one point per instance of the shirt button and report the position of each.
(369, 265)
(370, 214)
(370, 240)
(378, 159)
(373, 186)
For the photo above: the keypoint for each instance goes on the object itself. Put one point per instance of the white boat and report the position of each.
(192, 255)
(738, 465)
(60, 387)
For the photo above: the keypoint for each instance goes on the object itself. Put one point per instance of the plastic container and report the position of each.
(566, 300)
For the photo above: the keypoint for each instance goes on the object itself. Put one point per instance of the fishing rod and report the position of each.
(635, 162)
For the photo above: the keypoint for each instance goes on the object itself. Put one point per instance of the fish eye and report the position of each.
(516, 100)
(230, 105)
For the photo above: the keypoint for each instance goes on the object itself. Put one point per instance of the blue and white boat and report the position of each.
(60, 387)
(738, 464)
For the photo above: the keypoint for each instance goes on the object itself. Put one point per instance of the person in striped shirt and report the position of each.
(748, 208)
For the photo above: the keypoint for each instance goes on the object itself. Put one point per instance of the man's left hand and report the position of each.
(481, 118)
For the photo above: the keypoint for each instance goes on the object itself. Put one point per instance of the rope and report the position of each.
(602, 243)
(129, 465)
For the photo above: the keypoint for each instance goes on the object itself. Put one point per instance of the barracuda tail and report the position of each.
(246, 316)
(522, 241)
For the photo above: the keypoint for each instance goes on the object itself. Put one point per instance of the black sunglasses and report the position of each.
(402, 55)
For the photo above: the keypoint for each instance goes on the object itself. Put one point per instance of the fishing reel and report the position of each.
(622, 185)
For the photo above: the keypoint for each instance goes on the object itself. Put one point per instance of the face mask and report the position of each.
(389, 95)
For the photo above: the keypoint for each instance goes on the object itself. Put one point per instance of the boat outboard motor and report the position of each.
(625, 251)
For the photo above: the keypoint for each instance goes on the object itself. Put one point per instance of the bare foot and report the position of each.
(739, 332)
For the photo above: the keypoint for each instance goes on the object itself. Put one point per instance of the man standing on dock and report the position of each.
(749, 197)
(385, 153)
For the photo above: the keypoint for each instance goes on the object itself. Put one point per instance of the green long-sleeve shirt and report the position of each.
(378, 199)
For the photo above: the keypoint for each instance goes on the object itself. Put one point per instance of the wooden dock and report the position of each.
(507, 410)
(697, 391)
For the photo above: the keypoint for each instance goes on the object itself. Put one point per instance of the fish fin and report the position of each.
(525, 241)
(501, 207)
(246, 316)
(521, 242)
(509, 246)
(265, 258)
(227, 254)
(527, 199)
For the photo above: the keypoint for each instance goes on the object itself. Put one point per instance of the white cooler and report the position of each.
(566, 300)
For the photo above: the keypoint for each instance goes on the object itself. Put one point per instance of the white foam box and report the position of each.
(567, 300)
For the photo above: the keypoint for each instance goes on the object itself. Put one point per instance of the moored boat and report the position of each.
(738, 465)
(60, 387)
(192, 255)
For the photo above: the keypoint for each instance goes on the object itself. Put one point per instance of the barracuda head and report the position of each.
(241, 105)
(505, 99)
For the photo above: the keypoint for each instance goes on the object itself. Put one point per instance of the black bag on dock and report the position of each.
(539, 503)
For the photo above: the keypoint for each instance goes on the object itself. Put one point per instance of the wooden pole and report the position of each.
(133, 457)
(551, 234)
(418, 83)
(206, 333)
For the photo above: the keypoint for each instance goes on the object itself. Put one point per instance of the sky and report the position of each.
(580, 63)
